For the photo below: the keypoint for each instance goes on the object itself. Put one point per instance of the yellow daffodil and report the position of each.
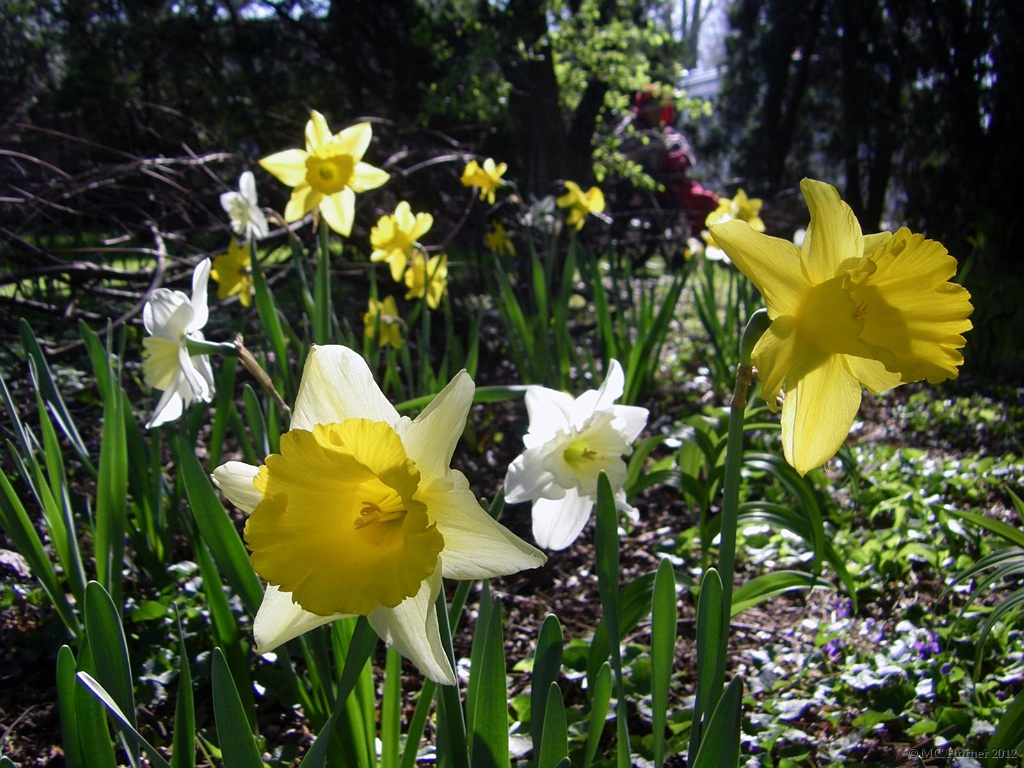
(395, 236)
(739, 208)
(247, 220)
(361, 513)
(568, 444)
(172, 318)
(386, 314)
(327, 174)
(486, 178)
(428, 277)
(233, 273)
(848, 311)
(580, 204)
(498, 241)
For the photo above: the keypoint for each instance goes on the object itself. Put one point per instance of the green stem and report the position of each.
(203, 347)
(322, 288)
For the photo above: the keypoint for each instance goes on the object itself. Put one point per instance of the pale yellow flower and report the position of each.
(395, 236)
(848, 311)
(427, 276)
(361, 513)
(327, 174)
(386, 314)
(739, 208)
(497, 240)
(233, 273)
(580, 204)
(486, 178)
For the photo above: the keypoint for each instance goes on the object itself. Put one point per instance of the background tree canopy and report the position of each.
(907, 105)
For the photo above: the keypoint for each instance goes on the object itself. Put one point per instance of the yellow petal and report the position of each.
(289, 166)
(818, 413)
(366, 177)
(317, 132)
(339, 211)
(832, 237)
(771, 263)
(783, 358)
(303, 200)
(872, 374)
(354, 140)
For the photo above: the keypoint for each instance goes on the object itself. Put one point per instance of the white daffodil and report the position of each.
(568, 444)
(247, 220)
(361, 513)
(172, 319)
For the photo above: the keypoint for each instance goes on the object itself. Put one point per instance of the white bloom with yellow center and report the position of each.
(568, 444)
(362, 514)
(247, 220)
(172, 318)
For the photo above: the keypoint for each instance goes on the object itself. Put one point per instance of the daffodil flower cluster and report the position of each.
(570, 442)
(361, 513)
(395, 241)
(486, 178)
(580, 204)
(848, 312)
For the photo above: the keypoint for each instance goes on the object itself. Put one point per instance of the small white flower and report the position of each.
(172, 318)
(568, 444)
(247, 220)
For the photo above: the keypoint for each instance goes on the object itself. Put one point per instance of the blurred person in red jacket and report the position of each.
(666, 156)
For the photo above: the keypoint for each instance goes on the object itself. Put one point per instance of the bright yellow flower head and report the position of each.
(848, 311)
(386, 313)
(486, 178)
(427, 276)
(580, 203)
(395, 236)
(361, 513)
(233, 273)
(327, 174)
(498, 241)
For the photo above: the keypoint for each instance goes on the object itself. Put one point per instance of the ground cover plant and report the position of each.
(557, 483)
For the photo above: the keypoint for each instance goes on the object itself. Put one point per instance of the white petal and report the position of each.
(431, 438)
(411, 628)
(167, 409)
(235, 479)
(549, 412)
(601, 399)
(337, 385)
(527, 479)
(247, 186)
(557, 524)
(630, 420)
(475, 545)
(200, 310)
(280, 619)
(167, 314)
(625, 507)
